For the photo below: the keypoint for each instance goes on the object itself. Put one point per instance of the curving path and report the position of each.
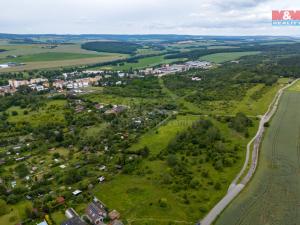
(235, 187)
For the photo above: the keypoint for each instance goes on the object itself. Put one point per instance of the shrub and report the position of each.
(163, 202)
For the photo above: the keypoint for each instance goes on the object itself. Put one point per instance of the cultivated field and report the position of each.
(273, 195)
(61, 63)
(43, 56)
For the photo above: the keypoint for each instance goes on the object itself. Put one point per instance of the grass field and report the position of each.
(258, 107)
(20, 50)
(159, 140)
(52, 111)
(142, 63)
(272, 196)
(49, 56)
(137, 197)
(295, 87)
(186, 105)
(17, 213)
(43, 57)
(228, 56)
(221, 47)
(62, 63)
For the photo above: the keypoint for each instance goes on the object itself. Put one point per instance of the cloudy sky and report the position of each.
(201, 17)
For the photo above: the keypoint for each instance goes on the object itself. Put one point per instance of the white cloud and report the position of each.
(217, 17)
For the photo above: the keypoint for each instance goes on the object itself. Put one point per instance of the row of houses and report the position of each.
(18, 83)
(88, 72)
(77, 83)
(168, 69)
(38, 84)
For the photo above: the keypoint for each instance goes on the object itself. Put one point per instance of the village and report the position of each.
(57, 161)
(92, 78)
(68, 83)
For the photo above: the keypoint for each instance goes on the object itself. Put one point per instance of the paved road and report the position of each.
(234, 188)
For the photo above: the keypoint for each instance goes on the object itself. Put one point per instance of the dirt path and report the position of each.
(236, 188)
(273, 195)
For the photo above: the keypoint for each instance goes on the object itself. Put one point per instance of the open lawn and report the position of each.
(142, 63)
(17, 213)
(21, 50)
(41, 56)
(100, 97)
(49, 56)
(272, 197)
(185, 105)
(62, 63)
(94, 130)
(158, 139)
(225, 57)
(52, 111)
(295, 87)
(221, 47)
(266, 94)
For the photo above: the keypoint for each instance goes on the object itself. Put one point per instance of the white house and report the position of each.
(101, 179)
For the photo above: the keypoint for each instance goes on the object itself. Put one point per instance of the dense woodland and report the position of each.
(111, 46)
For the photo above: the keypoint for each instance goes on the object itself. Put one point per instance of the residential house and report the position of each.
(92, 72)
(196, 79)
(2, 161)
(96, 212)
(60, 200)
(101, 179)
(116, 222)
(114, 215)
(74, 221)
(43, 223)
(17, 83)
(79, 108)
(38, 80)
(13, 184)
(99, 106)
(76, 192)
(70, 213)
(59, 84)
(7, 90)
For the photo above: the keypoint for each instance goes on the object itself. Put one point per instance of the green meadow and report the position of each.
(142, 63)
(51, 111)
(49, 56)
(228, 56)
(137, 197)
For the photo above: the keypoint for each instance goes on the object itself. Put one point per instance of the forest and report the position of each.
(111, 46)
